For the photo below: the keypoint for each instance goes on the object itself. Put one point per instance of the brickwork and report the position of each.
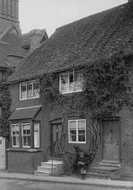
(25, 161)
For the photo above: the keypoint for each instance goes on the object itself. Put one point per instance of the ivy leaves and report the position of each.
(106, 88)
(5, 102)
(106, 84)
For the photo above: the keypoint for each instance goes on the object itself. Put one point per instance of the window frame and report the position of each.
(77, 132)
(22, 135)
(17, 136)
(39, 139)
(68, 83)
(34, 95)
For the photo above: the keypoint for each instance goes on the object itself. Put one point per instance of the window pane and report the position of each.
(26, 135)
(72, 130)
(72, 135)
(81, 135)
(81, 124)
(78, 78)
(23, 92)
(72, 124)
(81, 130)
(71, 77)
(29, 90)
(36, 135)
(64, 82)
(15, 135)
(36, 89)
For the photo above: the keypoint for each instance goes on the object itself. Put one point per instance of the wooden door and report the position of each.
(57, 140)
(111, 140)
(2, 153)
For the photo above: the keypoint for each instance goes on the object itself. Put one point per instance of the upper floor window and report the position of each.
(71, 82)
(29, 90)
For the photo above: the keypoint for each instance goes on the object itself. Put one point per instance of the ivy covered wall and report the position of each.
(5, 102)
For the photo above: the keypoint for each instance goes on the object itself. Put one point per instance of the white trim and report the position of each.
(29, 107)
(68, 91)
(76, 128)
(35, 132)
(27, 98)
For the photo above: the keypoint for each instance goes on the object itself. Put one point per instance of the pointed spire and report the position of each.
(9, 9)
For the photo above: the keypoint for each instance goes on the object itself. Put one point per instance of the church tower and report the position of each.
(9, 13)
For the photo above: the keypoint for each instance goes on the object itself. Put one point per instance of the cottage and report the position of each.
(47, 126)
(13, 48)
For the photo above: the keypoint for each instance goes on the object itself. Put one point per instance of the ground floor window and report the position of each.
(21, 135)
(36, 134)
(77, 131)
(15, 133)
(26, 135)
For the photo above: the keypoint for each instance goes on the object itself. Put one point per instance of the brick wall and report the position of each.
(25, 161)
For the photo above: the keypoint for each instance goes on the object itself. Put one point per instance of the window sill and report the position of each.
(23, 150)
(71, 92)
(32, 98)
(77, 142)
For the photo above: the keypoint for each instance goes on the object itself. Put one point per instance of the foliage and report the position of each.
(106, 85)
(105, 88)
(69, 160)
(5, 102)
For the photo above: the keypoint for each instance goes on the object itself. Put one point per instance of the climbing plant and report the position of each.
(107, 85)
(106, 89)
(5, 102)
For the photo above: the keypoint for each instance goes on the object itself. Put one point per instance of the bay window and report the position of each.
(29, 90)
(77, 131)
(71, 82)
(21, 135)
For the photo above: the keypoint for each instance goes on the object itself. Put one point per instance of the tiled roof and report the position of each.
(27, 38)
(24, 114)
(82, 42)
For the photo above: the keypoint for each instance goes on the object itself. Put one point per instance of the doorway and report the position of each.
(57, 140)
(111, 140)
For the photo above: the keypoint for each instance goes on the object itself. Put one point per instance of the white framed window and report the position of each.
(77, 131)
(15, 135)
(26, 135)
(71, 81)
(29, 90)
(37, 135)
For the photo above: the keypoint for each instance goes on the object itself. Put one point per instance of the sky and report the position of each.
(51, 14)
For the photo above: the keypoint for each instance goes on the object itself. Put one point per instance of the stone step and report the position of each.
(52, 167)
(50, 162)
(105, 168)
(109, 163)
(97, 174)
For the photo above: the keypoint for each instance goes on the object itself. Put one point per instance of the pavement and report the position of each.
(67, 180)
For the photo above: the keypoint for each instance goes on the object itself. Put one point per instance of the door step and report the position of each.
(104, 169)
(51, 167)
